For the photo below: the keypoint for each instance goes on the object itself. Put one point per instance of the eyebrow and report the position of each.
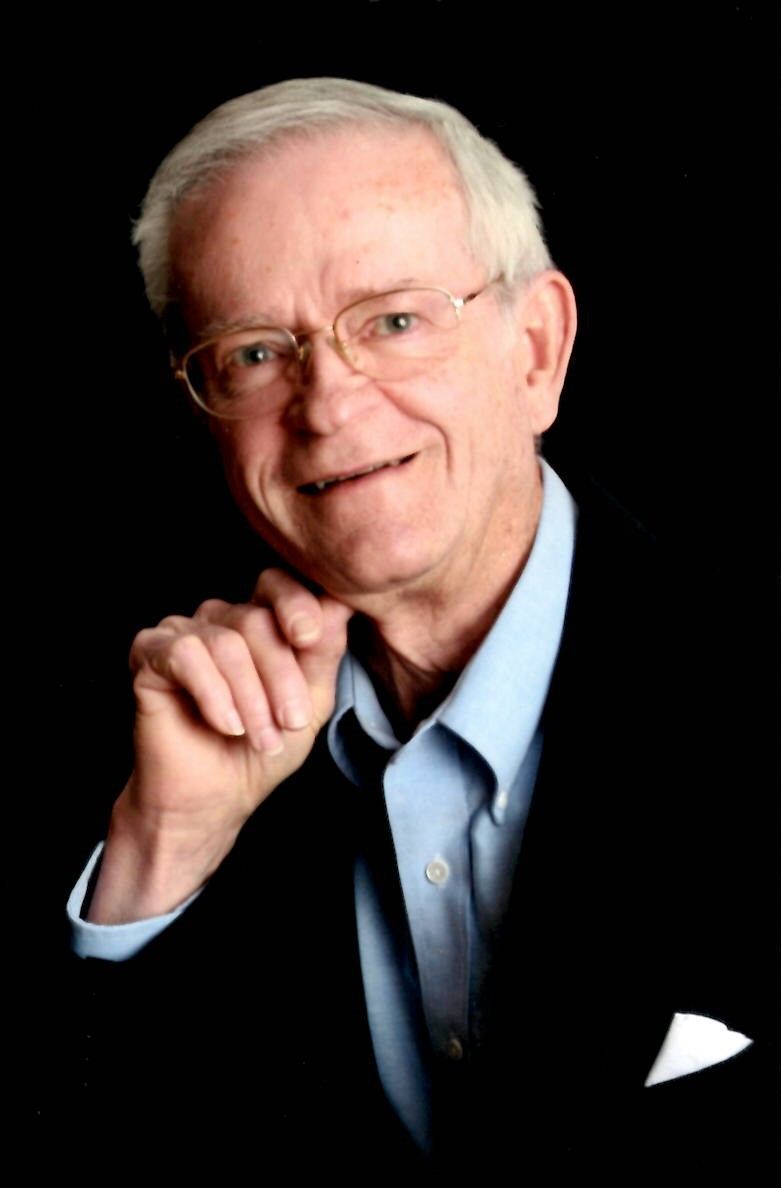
(404, 282)
(219, 327)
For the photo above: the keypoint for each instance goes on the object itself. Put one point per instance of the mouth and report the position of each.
(321, 485)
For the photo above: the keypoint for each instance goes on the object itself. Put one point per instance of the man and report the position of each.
(378, 884)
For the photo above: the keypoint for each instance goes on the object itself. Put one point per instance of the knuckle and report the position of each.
(173, 623)
(143, 637)
(184, 648)
(285, 596)
(269, 580)
(210, 608)
(143, 644)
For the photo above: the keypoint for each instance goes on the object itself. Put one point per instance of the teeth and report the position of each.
(321, 484)
(368, 470)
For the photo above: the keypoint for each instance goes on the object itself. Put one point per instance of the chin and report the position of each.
(382, 573)
(370, 558)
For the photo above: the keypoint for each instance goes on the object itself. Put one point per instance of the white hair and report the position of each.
(504, 223)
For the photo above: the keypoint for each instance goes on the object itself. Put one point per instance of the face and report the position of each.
(435, 475)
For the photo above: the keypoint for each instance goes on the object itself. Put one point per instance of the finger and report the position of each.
(320, 662)
(297, 609)
(185, 663)
(275, 667)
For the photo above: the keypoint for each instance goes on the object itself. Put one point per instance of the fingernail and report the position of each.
(271, 741)
(234, 723)
(303, 629)
(294, 714)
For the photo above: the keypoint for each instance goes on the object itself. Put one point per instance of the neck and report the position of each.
(416, 643)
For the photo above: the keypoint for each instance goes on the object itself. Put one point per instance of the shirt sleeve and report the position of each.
(113, 942)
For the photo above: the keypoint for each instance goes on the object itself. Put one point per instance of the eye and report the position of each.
(394, 324)
(252, 355)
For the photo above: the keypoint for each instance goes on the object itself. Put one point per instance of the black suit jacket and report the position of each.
(241, 1033)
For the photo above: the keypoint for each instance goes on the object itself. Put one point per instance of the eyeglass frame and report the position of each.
(302, 350)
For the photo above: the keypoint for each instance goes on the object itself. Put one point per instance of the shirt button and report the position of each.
(437, 871)
(501, 799)
(454, 1048)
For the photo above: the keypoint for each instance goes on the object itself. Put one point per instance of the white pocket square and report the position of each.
(694, 1042)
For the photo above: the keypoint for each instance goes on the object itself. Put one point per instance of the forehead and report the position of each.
(350, 211)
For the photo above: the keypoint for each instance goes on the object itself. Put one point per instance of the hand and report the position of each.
(228, 704)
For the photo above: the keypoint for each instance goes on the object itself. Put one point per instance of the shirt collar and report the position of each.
(496, 704)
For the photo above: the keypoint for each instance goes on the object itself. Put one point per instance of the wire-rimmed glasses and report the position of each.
(389, 336)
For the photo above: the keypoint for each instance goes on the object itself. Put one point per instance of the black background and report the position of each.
(650, 139)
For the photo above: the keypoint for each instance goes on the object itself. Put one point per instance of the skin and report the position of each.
(229, 703)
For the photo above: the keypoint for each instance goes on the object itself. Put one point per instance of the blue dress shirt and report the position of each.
(456, 795)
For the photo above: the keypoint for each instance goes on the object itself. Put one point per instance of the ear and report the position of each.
(546, 319)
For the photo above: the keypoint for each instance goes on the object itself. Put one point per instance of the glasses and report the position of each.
(392, 336)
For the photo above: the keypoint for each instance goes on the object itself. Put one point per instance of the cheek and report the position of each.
(244, 449)
(245, 457)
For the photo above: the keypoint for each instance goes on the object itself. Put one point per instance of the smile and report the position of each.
(320, 485)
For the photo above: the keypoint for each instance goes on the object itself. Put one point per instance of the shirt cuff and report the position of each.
(113, 942)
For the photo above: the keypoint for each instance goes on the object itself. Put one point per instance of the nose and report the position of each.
(329, 392)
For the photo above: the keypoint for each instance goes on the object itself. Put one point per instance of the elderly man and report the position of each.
(380, 883)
